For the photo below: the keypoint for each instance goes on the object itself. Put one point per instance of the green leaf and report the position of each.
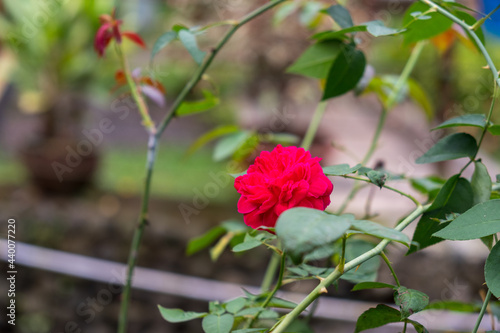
(316, 60)
(276, 302)
(488, 241)
(345, 73)
(454, 197)
(376, 317)
(188, 39)
(418, 327)
(340, 169)
(211, 135)
(367, 271)
(248, 244)
(378, 28)
(228, 145)
(337, 35)
(340, 15)
(492, 270)
(418, 30)
(208, 102)
(418, 94)
(377, 177)
(481, 183)
(475, 120)
(410, 301)
(250, 330)
(235, 305)
(377, 230)
(299, 326)
(205, 240)
(282, 138)
(163, 41)
(372, 285)
(481, 220)
(217, 324)
(250, 311)
(494, 129)
(375, 28)
(178, 315)
(235, 226)
(429, 185)
(453, 306)
(220, 246)
(451, 147)
(304, 229)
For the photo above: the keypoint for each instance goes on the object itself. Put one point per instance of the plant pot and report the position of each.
(60, 165)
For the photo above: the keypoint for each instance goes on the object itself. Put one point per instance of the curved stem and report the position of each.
(335, 275)
(342, 256)
(154, 135)
(412, 198)
(270, 271)
(473, 34)
(483, 310)
(382, 254)
(208, 60)
(138, 233)
(314, 125)
(488, 119)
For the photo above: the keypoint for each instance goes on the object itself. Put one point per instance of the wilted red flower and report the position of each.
(285, 178)
(109, 29)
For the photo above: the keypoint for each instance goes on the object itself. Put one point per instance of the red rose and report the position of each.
(285, 178)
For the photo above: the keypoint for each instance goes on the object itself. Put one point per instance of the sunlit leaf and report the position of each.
(418, 29)
(192, 107)
(211, 135)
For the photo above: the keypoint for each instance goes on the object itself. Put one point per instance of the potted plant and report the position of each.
(52, 44)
